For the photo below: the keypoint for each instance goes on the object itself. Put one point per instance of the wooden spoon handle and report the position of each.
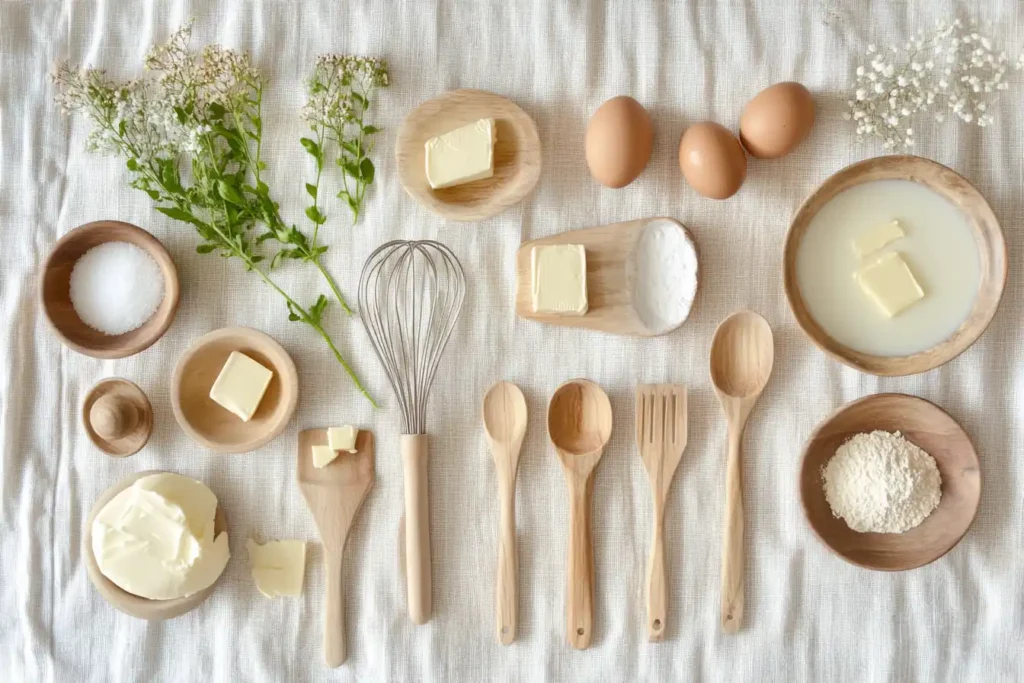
(417, 527)
(505, 592)
(580, 588)
(334, 611)
(656, 600)
(732, 537)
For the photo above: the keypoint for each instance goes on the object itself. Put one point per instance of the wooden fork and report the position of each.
(661, 438)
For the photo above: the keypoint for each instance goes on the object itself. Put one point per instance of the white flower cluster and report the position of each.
(952, 69)
(335, 79)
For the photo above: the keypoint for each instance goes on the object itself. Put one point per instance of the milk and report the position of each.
(939, 247)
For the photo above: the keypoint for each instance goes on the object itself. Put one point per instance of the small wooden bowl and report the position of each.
(126, 417)
(55, 291)
(120, 599)
(517, 158)
(927, 426)
(211, 425)
(987, 234)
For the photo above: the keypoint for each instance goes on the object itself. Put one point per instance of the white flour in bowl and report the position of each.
(664, 275)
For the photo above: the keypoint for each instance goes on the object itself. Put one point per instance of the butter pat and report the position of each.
(156, 538)
(240, 385)
(877, 237)
(323, 456)
(559, 279)
(278, 567)
(889, 283)
(342, 438)
(462, 155)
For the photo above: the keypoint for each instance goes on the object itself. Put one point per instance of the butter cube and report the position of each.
(889, 283)
(278, 567)
(559, 279)
(323, 455)
(877, 237)
(462, 155)
(240, 385)
(342, 438)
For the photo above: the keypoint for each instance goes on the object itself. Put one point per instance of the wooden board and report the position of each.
(517, 158)
(609, 251)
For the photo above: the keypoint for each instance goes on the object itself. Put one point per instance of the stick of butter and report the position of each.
(278, 567)
(889, 283)
(240, 385)
(342, 438)
(462, 155)
(872, 240)
(323, 455)
(559, 279)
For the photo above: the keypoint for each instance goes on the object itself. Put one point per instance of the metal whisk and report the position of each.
(410, 297)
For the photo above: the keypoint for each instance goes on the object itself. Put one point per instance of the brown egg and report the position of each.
(619, 141)
(777, 120)
(712, 160)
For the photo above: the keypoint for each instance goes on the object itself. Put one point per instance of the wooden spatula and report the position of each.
(334, 495)
(661, 438)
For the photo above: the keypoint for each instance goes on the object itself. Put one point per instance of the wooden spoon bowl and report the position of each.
(55, 291)
(923, 424)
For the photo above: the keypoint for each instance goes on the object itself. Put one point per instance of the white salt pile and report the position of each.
(664, 274)
(116, 287)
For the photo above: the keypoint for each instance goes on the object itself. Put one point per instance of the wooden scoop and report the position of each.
(505, 425)
(334, 495)
(742, 354)
(579, 424)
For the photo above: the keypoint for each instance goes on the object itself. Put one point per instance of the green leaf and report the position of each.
(177, 214)
(311, 147)
(370, 130)
(180, 114)
(352, 203)
(217, 111)
(366, 171)
(351, 146)
(363, 102)
(351, 169)
(154, 195)
(314, 215)
(229, 194)
(205, 248)
(311, 189)
(342, 195)
(261, 186)
(133, 165)
(262, 166)
(122, 128)
(293, 317)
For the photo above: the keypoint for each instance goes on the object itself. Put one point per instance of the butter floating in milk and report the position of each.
(559, 279)
(240, 385)
(278, 567)
(870, 241)
(462, 155)
(888, 281)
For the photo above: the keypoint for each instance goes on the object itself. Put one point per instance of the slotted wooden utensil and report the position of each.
(661, 438)
(334, 494)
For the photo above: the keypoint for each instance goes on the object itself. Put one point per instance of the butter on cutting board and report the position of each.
(462, 155)
(870, 241)
(889, 283)
(559, 279)
(323, 455)
(240, 385)
(278, 567)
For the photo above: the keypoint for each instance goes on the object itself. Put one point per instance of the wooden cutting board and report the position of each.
(609, 250)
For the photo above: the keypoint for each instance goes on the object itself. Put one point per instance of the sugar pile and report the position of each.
(116, 287)
(664, 273)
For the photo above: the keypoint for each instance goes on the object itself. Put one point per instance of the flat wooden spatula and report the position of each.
(334, 495)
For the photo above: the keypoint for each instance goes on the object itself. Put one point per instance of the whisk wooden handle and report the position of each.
(417, 527)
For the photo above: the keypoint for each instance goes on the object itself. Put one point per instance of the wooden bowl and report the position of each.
(987, 234)
(927, 426)
(517, 159)
(133, 605)
(55, 291)
(213, 426)
(124, 417)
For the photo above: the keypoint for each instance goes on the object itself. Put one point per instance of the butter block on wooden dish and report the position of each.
(342, 438)
(559, 279)
(323, 455)
(462, 155)
(888, 281)
(240, 385)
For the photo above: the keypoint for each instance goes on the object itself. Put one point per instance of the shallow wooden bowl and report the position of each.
(927, 426)
(987, 235)
(517, 158)
(133, 605)
(55, 291)
(213, 426)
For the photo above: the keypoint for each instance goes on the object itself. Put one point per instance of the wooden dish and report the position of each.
(120, 599)
(117, 417)
(927, 426)
(610, 279)
(55, 291)
(517, 159)
(211, 425)
(987, 234)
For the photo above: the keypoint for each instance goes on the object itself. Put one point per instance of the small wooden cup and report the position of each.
(117, 417)
(55, 291)
(928, 427)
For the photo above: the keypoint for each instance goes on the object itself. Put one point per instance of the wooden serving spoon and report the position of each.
(579, 424)
(742, 354)
(505, 425)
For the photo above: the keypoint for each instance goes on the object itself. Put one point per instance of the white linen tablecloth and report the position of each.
(810, 616)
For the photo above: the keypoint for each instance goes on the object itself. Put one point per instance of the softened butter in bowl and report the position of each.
(712, 160)
(619, 141)
(777, 120)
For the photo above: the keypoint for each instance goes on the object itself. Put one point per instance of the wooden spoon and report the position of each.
(334, 494)
(742, 354)
(579, 424)
(505, 425)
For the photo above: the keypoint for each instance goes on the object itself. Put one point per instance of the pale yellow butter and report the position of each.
(889, 283)
(870, 241)
(240, 385)
(462, 155)
(342, 438)
(278, 567)
(559, 279)
(323, 455)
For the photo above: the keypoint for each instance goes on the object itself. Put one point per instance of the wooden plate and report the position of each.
(987, 234)
(133, 605)
(927, 426)
(610, 279)
(55, 291)
(213, 426)
(517, 159)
